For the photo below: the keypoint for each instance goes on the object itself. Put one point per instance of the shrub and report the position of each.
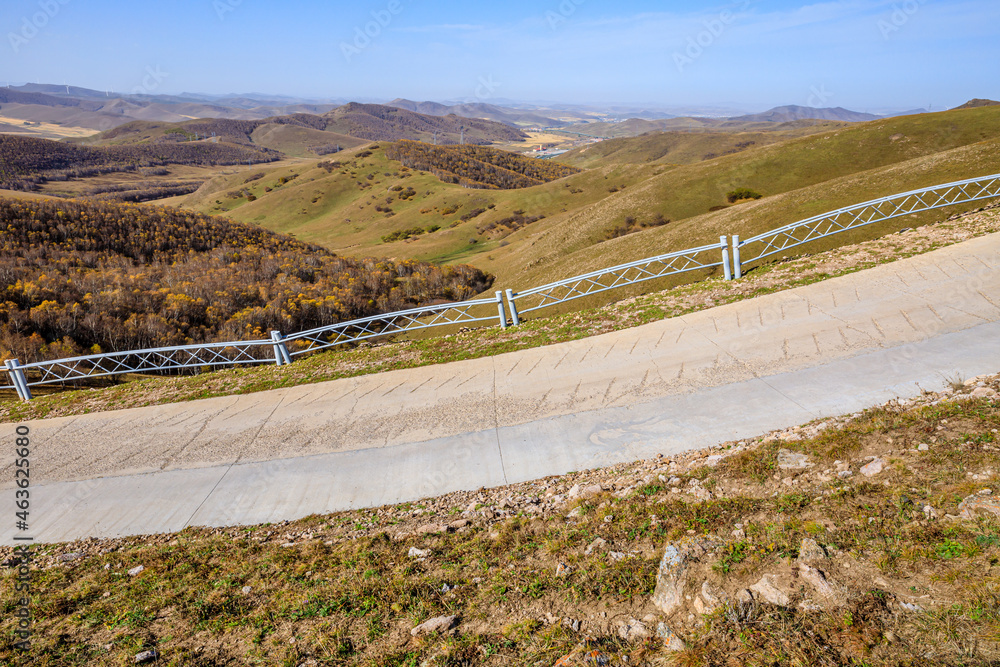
(742, 193)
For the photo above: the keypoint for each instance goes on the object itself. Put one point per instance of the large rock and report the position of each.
(766, 590)
(599, 544)
(670, 639)
(983, 392)
(810, 551)
(828, 591)
(633, 631)
(872, 468)
(584, 492)
(672, 575)
(709, 599)
(974, 505)
(438, 624)
(789, 460)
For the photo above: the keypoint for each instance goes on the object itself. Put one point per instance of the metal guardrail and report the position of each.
(618, 276)
(167, 359)
(866, 213)
(161, 359)
(426, 317)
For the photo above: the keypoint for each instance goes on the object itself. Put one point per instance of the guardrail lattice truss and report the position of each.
(619, 276)
(146, 361)
(414, 319)
(870, 212)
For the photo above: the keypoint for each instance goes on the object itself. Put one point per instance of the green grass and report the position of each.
(798, 176)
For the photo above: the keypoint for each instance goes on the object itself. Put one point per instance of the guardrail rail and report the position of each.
(669, 264)
(860, 215)
(284, 349)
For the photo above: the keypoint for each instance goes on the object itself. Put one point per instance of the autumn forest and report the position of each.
(84, 277)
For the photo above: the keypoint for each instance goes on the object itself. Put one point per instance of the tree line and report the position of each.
(80, 277)
(27, 162)
(477, 166)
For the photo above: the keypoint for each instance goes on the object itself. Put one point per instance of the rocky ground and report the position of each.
(871, 538)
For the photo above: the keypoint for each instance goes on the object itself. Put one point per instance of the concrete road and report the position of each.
(683, 383)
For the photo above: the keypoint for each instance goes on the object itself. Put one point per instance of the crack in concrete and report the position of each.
(496, 429)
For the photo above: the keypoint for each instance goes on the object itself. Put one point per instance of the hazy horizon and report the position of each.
(747, 56)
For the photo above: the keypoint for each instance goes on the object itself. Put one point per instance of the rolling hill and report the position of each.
(25, 162)
(976, 103)
(794, 112)
(82, 108)
(383, 123)
(533, 235)
(515, 117)
(309, 134)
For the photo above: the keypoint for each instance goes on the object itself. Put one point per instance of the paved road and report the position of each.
(683, 383)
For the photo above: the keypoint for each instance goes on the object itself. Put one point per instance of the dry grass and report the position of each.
(342, 589)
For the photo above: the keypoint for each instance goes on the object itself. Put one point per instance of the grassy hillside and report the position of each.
(545, 232)
(634, 127)
(477, 166)
(681, 147)
(349, 201)
(300, 141)
(26, 163)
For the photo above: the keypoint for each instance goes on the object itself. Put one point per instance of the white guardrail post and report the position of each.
(724, 243)
(737, 265)
(18, 379)
(501, 311)
(281, 356)
(513, 308)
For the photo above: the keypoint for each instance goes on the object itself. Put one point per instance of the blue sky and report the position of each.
(751, 54)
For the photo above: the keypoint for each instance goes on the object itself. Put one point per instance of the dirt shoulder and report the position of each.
(872, 538)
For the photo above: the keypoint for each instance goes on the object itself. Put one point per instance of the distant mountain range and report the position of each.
(102, 110)
(516, 117)
(346, 126)
(48, 110)
(789, 113)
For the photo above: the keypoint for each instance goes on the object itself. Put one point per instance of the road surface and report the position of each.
(689, 382)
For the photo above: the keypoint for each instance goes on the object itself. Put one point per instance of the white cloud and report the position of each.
(443, 27)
